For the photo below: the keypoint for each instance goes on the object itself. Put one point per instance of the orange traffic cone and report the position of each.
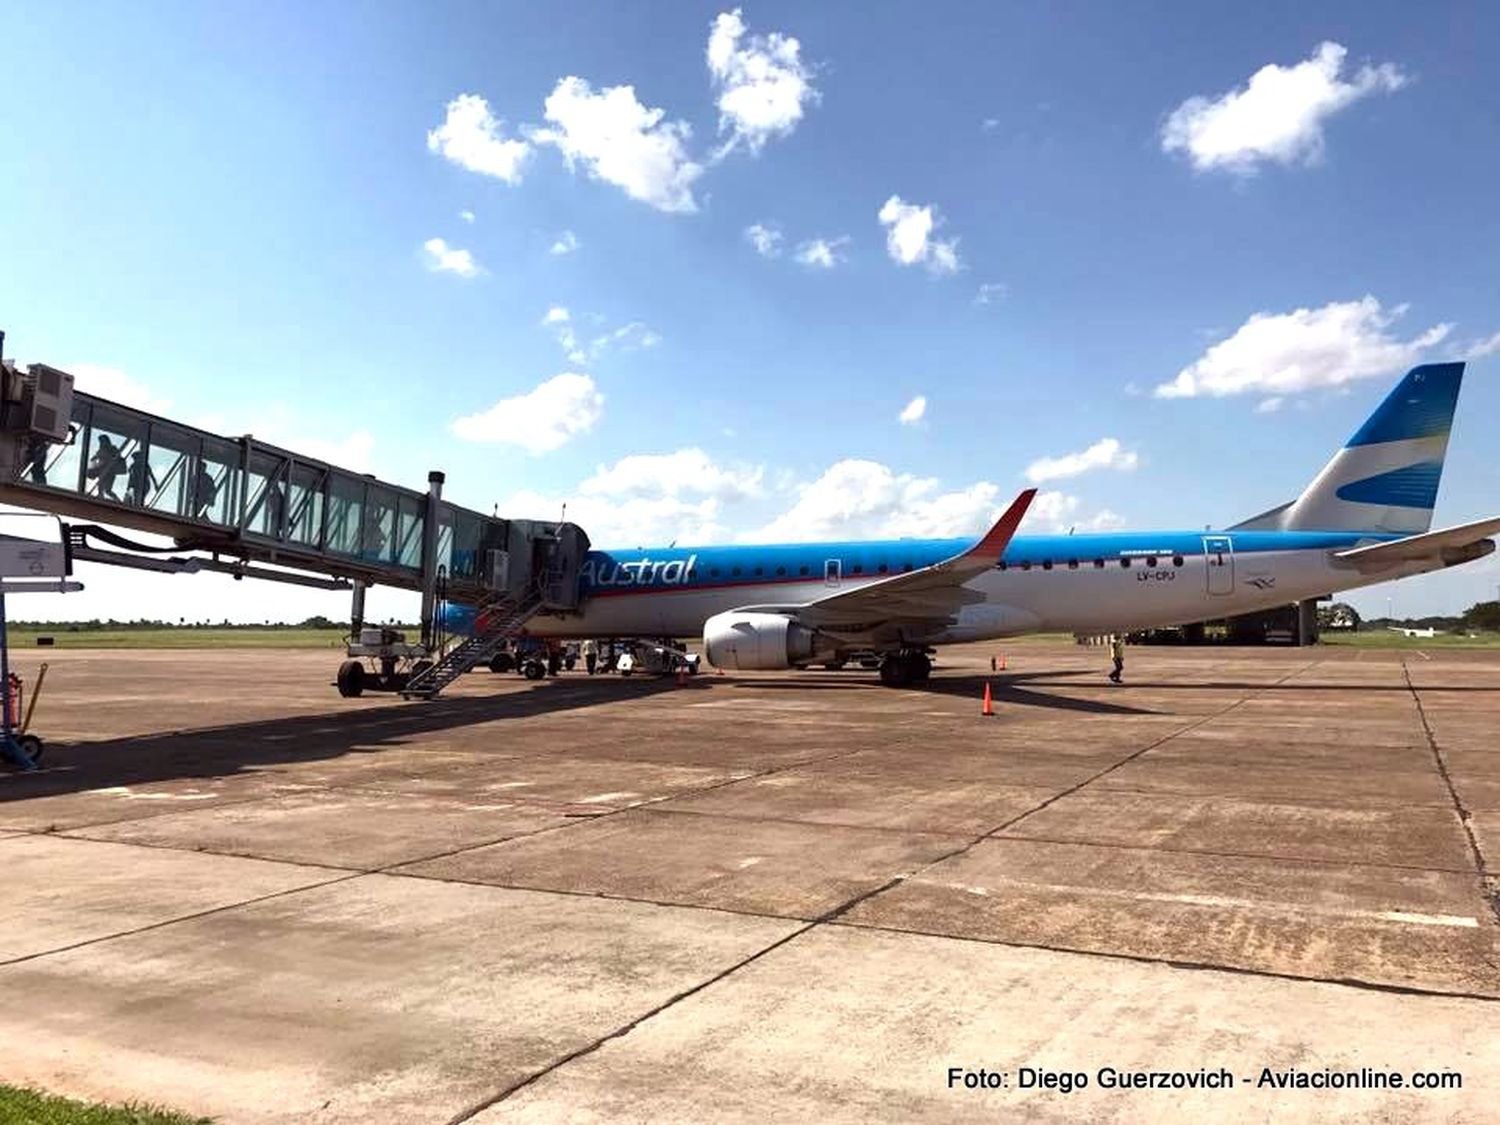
(989, 704)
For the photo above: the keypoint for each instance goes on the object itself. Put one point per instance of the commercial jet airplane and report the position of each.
(1363, 519)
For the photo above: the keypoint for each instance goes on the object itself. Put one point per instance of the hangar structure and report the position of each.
(243, 507)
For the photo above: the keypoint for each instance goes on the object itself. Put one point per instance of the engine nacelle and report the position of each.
(762, 642)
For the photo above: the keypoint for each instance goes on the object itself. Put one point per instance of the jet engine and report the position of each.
(754, 642)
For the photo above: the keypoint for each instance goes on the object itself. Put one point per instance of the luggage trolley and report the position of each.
(27, 566)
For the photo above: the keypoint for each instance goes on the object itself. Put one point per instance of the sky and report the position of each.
(778, 272)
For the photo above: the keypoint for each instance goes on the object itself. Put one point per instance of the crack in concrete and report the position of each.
(834, 914)
(1489, 884)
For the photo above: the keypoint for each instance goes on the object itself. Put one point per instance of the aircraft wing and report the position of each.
(933, 593)
(1450, 545)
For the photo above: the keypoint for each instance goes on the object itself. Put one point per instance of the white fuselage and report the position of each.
(1038, 597)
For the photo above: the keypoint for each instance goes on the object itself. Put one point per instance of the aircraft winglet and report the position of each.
(996, 539)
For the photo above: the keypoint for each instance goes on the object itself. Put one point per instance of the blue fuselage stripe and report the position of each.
(677, 568)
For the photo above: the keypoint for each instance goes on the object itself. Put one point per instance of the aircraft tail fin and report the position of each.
(1385, 479)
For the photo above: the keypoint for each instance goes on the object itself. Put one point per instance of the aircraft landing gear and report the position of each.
(909, 666)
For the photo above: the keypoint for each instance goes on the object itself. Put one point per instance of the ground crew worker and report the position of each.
(1117, 650)
(590, 655)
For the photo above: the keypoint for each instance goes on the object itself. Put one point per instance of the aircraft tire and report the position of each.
(351, 679)
(896, 670)
(535, 670)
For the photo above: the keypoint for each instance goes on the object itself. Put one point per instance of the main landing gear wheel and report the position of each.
(900, 669)
(351, 679)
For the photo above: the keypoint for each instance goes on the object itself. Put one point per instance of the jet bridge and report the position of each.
(248, 508)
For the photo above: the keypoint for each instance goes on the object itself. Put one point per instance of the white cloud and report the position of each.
(822, 253)
(541, 420)
(1283, 353)
(913, 411)
(113, 384)
(908, 237)
(858, 499)
(763, 83)
(1060, 512)
(628, 337)
(632, 521)
(1481, 348)
(566, 243)
(765, 238)
(1269, 405)
(466, 216)
(471, 137)
(1105, 453)
(990, 292)
(442, 258)
(989, 124)
(673, 474)
(865, 499)
(618, 140)
(1278, 116)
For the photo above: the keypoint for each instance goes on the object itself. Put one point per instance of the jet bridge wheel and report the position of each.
(351, 679)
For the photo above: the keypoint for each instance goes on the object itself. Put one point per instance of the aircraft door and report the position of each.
(832, 572)
(1218, 553)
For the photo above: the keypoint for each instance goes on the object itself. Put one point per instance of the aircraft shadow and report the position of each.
(1005, 688)
(225, 751)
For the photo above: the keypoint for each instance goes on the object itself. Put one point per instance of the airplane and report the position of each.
(1364, 519)
(1405, 632)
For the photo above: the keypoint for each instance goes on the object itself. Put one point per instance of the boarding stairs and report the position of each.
(504, 617)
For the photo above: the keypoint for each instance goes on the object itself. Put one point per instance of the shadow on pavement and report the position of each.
(224, 751)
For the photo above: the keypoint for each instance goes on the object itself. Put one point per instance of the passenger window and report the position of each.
(1150, 560)
(1125, 563)
(1176, 560)
(859, 568)
(1025, 566)
(803, 571)
(1047, 564)
(1098, 564)
(735, 572)
(906, 568)
(883, 568)
(781, 570)
(1072, 564)
(713, 572)
(759, 571)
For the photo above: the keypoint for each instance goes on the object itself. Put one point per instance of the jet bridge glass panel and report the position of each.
(378, 534)
(410, 524)
(305, 505)
(171, 459)
(215, 486)
(265, 493)
(346, 506)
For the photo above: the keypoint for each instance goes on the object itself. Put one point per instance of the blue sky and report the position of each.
(334, 225)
